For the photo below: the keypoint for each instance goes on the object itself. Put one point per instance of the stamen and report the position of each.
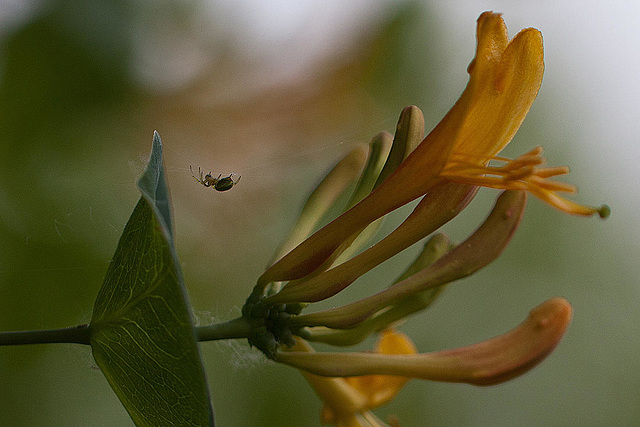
(552, 185)
(501, 159)
(568, 206)
(523, 161)
(519, 174)
(485, 181)
(555, 171)
(536, 151)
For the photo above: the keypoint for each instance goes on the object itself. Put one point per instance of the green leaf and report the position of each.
(141, 333)
(153, 186)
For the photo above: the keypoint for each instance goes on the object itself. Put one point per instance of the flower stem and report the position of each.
(74, 334)
(236, 328)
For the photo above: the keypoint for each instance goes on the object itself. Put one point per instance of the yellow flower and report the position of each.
(380, 389)
(447, 167)
(505, 77)
(347, 401)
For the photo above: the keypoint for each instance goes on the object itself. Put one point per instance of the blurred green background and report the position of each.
(277, 92)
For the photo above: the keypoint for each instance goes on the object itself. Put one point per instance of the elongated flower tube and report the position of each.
(504, 79)
(436, 209)
(486, 363)
(480, 249)
(324, 196)
(395, 314)
(379, 148)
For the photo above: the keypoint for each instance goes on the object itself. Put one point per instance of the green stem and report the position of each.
(75, 334)
(236, 328)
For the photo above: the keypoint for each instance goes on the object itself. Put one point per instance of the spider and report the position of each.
(220, 184)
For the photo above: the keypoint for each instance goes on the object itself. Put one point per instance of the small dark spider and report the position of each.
(220, 184)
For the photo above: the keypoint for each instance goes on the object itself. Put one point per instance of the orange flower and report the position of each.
(505, 77)
(486, 363)
(447, 168)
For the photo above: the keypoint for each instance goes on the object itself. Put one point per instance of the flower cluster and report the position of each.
(445, 168)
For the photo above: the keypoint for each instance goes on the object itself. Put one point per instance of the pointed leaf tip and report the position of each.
(153, 186)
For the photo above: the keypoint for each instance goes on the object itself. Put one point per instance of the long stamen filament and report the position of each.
(522, 173)
(552, 185)
(554, 171)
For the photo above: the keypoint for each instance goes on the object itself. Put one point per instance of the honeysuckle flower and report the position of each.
(433, 211)
(345, 172)
(505, 77)
(446, 168)
(486, 363)
(480, 249)
(395, 313)
(347, 401)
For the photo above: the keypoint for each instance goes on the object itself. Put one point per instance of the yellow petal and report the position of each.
(343, 404)
(381, 389)
(503, 85)
(504, 81)
(335, 393)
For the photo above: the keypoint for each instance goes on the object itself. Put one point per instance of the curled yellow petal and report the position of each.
(505, 78)
(380, 389)
(335, 393)
(347, 401)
